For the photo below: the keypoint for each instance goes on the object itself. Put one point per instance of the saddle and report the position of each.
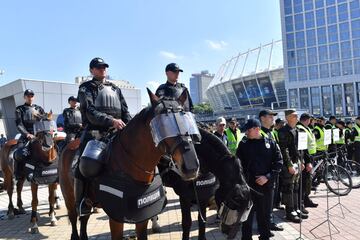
(125, 200)
(40, 173)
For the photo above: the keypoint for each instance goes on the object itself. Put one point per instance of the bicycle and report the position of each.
(336, 178)
(351, 166)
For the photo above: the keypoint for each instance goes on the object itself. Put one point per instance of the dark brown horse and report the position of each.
(133, 152)
(43, 151)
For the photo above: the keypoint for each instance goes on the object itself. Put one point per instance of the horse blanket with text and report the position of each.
(126, 200)
(41, 173)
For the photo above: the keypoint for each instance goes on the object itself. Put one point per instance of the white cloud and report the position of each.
(216, 45)
(152, 85)
(169, 55)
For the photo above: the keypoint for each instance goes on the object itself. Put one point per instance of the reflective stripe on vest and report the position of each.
(276, 135)
(232, 141)
(357, 138)
(320, 146)
(264, 134)
(312, 146)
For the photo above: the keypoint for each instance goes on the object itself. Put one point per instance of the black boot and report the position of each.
(82, 208)
(309, 203)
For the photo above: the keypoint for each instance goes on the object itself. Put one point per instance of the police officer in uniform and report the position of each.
(72, 120)
(303, 125)
(267, 120)
(319, 135)
(102, 107)
(25, 118)
(331, 124)
(356, 139)
(279, 123)
(288, 136)
(172, 88)
(234, 135)
(220, 130)
(262, 161)
(348, 139)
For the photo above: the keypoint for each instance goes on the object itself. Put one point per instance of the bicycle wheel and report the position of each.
(337, 180)
(353, 169)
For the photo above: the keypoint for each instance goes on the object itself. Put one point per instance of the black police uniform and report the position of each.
(100, 103)
(24, 119)
(260, 157)
(72, 122)
(174, 91)
(290, 183)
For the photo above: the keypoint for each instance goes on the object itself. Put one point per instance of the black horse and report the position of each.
(214, 158)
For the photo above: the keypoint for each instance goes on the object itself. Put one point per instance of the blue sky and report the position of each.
(55, 40)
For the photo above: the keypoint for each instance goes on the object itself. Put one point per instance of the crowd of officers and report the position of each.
(272, 164)
(266, 148)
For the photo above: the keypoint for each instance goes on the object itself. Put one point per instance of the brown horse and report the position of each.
(134, 153)
(43, 151)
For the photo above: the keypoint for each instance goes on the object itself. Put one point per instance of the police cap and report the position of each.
(173, 67)
(251, 123)
(98, 62)
(29, 92)
(266, 112)
(72, 98)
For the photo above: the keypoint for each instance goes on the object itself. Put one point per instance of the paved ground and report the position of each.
(348, 224)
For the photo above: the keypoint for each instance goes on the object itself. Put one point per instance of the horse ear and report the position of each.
(183, 97)
(153, 98)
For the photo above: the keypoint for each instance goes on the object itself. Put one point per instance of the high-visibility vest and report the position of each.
(276, 135)
(357, 138)
(348, 131)
(311, 142)
(341, 140)
(232, 141)
(320, 146)
(266, 135)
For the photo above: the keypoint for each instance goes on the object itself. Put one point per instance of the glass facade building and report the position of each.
(321, 46)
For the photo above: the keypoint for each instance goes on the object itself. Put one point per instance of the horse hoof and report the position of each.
(53, 223)
(34, 230)
(11, 216)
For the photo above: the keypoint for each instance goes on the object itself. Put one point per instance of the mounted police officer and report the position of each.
(172, 88)
(72, 120)
(25, 115)
(102, 107)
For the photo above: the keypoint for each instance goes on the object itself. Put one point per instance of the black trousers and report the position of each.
(262, 207)
(356, 154)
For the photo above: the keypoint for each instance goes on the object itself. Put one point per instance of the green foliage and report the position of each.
(203, 108)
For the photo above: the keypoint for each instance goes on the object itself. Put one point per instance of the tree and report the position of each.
(203, 108)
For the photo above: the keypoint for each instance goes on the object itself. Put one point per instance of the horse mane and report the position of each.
(214, 141)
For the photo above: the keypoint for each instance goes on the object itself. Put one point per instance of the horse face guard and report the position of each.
(176, 131)
(235, 210)
(43, 131)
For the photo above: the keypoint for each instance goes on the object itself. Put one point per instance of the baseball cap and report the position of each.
(251, 123)
(72, 98)
(279, 120)
(29, 92)
(233, 119)
(266, 112)
(220, 120)
(98, 62)
(173, 67)
(305, 116)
